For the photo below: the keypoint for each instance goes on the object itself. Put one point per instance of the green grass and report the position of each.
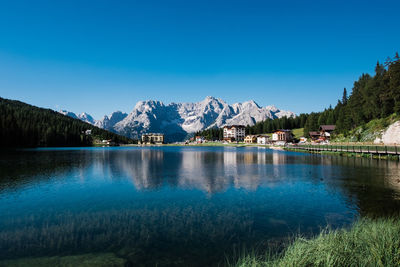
(368, 132)
(298, 133)
(367, 243)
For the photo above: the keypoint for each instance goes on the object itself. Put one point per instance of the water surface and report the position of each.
(181, 206)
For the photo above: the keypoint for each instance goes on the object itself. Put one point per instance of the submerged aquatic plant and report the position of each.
(143, 236)
(84, 260)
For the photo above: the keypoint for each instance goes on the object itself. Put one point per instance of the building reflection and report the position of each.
(198, 170)
(363, 183)
(145, 167)
(210, 172)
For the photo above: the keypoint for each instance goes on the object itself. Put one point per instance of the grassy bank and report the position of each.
(368, 132)
(367, 243)
(299, 132)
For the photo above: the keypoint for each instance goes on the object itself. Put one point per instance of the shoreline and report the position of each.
(346, 154)
(237, 145)
(282, 148)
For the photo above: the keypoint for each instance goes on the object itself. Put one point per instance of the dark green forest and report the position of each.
(372, 97)
(24, 125)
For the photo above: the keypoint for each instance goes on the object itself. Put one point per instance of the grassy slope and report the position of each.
(298, 132)
(369, 131)
(367, 243)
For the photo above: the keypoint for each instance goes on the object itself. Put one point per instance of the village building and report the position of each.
(199, 139)
(263, 139)
(88, 132)
(250, 139)
(234, 133)
(303, 139)
(282, 135)
(314, 135)
(152, 138)
(326, 131)
(109, 142)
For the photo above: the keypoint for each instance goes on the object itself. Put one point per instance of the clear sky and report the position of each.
(102, 56)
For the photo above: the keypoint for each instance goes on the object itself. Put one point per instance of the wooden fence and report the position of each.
(375, 150)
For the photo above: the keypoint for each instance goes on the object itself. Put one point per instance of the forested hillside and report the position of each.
(372, 97)
(23, 125)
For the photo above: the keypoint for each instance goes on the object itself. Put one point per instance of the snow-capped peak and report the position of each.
(177, 120)
(86, 118)
(68, 113)
(83, 116)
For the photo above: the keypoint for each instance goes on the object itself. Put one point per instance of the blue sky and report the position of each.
(102, 56)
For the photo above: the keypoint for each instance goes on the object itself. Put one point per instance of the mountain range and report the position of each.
(178, 120)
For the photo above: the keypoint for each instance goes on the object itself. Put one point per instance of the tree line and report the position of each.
(24, 125)
(372, 97)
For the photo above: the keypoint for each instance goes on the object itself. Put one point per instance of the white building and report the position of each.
(108, 142)
(282, 135)
(262, 139)
(234, 133)
(199, 139)
(303, 140)
(152, 138)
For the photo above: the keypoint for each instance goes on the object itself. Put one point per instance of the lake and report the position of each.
(180, 206)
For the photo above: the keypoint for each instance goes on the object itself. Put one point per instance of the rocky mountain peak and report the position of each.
(177, 120)
(86, 118)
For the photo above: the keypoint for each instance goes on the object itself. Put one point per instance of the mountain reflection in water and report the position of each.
(183, 206)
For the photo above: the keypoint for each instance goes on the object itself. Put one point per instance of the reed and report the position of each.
(367, 243)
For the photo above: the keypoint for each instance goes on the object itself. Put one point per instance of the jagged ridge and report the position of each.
(177, 120)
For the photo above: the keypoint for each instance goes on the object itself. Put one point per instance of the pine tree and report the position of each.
(23, 125)
(344, 97)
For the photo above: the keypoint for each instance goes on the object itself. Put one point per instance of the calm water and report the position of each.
(181, 205)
